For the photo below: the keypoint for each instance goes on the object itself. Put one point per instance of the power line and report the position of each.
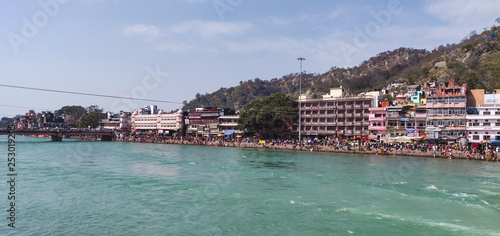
(3, 105)
(86, 94)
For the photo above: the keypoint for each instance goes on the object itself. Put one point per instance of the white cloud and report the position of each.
(464, 11)
(148, 32)
(212, 29)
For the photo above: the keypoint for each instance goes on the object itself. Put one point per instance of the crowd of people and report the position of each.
(344, 145)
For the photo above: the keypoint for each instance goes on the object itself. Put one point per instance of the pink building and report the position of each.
(446, 110)
(378, 124)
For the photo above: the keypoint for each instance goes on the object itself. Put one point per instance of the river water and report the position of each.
(113, 188)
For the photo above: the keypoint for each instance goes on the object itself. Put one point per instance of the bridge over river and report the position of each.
(57, 135)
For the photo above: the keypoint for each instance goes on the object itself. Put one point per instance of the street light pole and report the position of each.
(300, 100)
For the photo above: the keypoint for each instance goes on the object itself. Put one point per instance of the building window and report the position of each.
(486, 124)
(475, 137)
(486, 113)
(486, 137)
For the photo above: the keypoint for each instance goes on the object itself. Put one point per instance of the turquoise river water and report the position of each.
(113, 188)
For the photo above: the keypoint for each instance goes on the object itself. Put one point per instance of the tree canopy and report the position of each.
(74, 111)
(91, 119)
(269, 117)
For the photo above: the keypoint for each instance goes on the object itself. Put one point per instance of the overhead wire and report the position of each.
(86, 94)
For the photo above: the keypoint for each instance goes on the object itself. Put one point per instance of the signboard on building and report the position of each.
(412, 133)
(405, 119)
(491, 99)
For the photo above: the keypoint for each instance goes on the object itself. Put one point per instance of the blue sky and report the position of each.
(172, 49)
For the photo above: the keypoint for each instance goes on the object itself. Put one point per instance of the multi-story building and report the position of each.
(446, 110)
(205, 121)
(228, 125)
(378, 124)
(149, 119)
(29, 121)
(337, 113)
(405, 123)
(483, 117)
(119, 121)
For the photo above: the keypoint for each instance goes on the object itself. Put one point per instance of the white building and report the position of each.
(484, 126)
(228, 125)
(161, 122)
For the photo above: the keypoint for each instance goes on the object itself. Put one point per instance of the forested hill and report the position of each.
(475, 61)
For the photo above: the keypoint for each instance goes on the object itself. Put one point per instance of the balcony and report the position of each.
(349, 115)
(349, 123)
(341, 107)
(447, 105)
(358, 106)
(377, 119)
(430, 116)
(481, 128)
(228, 124)
(378, 128)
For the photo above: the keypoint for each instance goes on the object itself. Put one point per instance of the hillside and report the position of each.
(475, 61)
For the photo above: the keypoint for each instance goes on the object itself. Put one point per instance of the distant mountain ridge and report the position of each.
(475, 61)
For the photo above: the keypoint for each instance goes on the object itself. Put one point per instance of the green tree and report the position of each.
(269, 117)
(388, 97)
(74, 111)
(91, 119)
(94, 108)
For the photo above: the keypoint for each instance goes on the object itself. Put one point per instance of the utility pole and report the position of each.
(300, 100)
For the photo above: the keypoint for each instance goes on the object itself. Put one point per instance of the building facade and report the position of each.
(405, 123)
(484, 126)
(446, 111)
(205, 121)
(337, 114)
(228, 126)
(483, 116)
(149, 119)
(119, 121)
(378, 123)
